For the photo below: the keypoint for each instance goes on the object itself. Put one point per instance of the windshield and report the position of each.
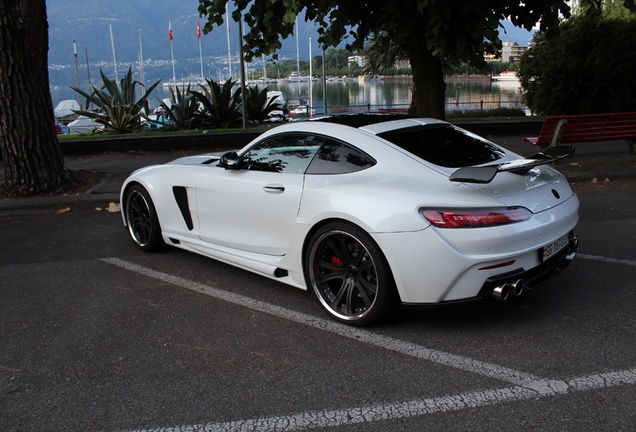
(445, 145)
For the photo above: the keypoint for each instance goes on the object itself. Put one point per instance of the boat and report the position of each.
(294, 77)
(302, 111)
(65, 111)
(506, 76)
(84, 124)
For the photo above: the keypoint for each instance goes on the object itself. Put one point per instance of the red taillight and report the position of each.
(476, 218)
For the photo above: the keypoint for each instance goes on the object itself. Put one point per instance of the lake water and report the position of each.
(462, 93)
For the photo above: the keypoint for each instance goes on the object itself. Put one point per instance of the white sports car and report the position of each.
(367, 212)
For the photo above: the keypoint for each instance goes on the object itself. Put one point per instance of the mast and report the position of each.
(141, 61)
(324, 83)
(112, 43)
(88, 68)
(311, 102)
(77, 73)
(297, 50)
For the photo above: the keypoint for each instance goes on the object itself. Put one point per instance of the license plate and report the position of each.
(551, 249)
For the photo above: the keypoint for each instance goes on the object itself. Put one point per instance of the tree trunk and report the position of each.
(428, 81)
(32, 157)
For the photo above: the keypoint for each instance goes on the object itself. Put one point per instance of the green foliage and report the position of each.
(182, 110)
(589, 70)
(259, 106)
(382, 55)
(336, 64)
(117, 106)
(219, 105)
(429, 33)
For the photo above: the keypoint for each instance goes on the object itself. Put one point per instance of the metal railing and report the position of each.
(473, 106)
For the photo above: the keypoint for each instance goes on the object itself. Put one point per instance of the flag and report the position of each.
(170, 30)
(198, 30)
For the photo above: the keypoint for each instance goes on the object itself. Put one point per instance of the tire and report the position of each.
(141, 219)
(348, 274)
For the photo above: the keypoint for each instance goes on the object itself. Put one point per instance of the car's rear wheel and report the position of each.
(349, 275)
(141, 219)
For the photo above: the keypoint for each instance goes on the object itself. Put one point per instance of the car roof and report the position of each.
(376, 122)
(358, 120)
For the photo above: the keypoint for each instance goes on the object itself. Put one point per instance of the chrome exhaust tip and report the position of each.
(517, 288)
(501, 292)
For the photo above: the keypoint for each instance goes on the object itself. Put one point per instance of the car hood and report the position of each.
(204, 159)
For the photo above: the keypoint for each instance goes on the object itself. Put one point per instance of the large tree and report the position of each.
(429, 32)
(589, 71)
(32, 158)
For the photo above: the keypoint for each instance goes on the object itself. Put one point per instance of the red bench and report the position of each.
(569, 129)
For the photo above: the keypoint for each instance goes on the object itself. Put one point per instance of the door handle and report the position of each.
(277, 189)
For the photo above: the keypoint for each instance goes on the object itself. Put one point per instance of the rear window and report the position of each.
(445, 145)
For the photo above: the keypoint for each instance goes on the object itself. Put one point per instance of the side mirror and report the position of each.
(230, 160)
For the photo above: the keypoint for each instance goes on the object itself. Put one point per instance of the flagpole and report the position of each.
(200, 51)
(229, 55)
(242, 75)
(174, 76)
(311, 101)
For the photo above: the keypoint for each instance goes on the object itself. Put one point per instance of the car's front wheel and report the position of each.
(349, 275)
(141, 219)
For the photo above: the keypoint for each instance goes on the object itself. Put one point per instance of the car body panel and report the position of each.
(229, 204)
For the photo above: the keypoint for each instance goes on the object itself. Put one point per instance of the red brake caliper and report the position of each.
(336, 261)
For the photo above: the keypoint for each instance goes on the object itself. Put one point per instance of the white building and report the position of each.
(511, 52)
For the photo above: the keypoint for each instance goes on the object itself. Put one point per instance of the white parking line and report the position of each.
(401, 410)
(456, 361)
(525, 386)
(605, 259)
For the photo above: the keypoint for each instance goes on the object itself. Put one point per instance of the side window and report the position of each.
(289, 153)
(336, 157)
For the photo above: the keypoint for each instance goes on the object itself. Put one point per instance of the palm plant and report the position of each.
(219, 105)
(117, 106)
(181, 110)
(259, 106)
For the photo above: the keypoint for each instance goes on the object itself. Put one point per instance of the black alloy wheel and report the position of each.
(141, 219)
(349, 275)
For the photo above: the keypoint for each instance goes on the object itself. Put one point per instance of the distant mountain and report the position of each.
(515, 34)
(88, 23)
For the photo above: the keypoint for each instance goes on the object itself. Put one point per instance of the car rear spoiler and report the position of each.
(485, 174)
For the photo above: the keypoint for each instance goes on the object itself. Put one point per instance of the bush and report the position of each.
(180, 112)
(219, 105)
(117, 106)
(259, 105)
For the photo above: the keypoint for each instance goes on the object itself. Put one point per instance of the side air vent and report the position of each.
(279, 273)
(181, 197)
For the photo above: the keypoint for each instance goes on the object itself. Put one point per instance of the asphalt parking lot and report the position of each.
(96, 335)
